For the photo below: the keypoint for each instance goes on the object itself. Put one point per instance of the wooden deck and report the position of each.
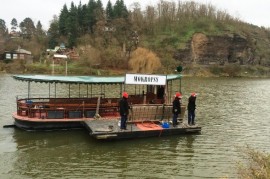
(109, 129)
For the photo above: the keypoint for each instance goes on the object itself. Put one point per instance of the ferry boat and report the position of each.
(150, 98)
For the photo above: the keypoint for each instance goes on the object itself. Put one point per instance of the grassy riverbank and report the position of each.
(230, 70)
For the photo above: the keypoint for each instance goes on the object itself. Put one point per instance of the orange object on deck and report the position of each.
(147, 126)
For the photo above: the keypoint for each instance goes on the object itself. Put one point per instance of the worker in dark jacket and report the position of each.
(191, 108)
(124, 110)
(176, 107)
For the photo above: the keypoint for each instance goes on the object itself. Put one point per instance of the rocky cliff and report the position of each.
(229, 48)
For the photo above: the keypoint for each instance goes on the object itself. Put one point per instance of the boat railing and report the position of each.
(153, 112)
(66, 107)
(33, 96)
(90, 107)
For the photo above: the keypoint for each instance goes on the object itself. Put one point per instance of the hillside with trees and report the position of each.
(112, 39)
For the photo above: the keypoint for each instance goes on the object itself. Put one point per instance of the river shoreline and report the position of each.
(230, 70)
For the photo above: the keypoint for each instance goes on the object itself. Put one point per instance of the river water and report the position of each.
(233, 113)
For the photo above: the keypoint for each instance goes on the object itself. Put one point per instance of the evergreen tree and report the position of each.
(120, 23)
(120, 9)
(109, 11)
(3, 27)
(99, 11)
(14, 24)
(91, 15)
(53, 33)
(39, 31)
(83, 19)
(72, 25)
(80, 18)
(63, 21)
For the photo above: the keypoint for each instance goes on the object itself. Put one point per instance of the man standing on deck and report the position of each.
(176, 107)
(123, 109)
(191, 108)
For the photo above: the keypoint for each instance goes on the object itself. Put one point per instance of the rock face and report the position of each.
(206, 50)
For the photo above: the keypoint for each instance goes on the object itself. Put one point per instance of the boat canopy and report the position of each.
(81, 79)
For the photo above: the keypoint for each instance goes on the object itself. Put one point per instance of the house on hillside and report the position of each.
(71, 54)
(19, 54)
(14, 34)
(59, 59)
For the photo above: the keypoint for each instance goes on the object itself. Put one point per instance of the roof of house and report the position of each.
(20, 50)
(60, 56)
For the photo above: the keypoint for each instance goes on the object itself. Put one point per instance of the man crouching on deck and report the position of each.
(123, 109)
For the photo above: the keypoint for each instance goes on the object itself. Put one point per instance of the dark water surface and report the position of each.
(232, 112)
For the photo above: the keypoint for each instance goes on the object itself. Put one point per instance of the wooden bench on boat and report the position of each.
(67, 108)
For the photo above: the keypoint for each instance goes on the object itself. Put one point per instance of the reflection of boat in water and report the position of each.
(150, 99)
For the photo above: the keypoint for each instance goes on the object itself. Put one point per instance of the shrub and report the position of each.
(113, 58)
(90, 57)
(232, 69)
(144, 61)
(40, 68)
(215, 69)
(2, 66)
(257, 165)
(16, 66)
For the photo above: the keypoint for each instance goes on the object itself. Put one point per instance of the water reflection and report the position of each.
(189, 144)
(232, 112)
(66, 153)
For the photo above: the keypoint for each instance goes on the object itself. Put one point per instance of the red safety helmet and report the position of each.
(193, 94)
(178, 95)
(125, 94)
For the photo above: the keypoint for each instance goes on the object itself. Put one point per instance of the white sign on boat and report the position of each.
(141, 79)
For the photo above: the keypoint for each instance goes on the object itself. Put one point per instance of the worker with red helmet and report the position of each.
(124, 110)
(191, 108)
(176, 107)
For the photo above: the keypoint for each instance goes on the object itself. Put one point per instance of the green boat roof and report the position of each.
(80, 79)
